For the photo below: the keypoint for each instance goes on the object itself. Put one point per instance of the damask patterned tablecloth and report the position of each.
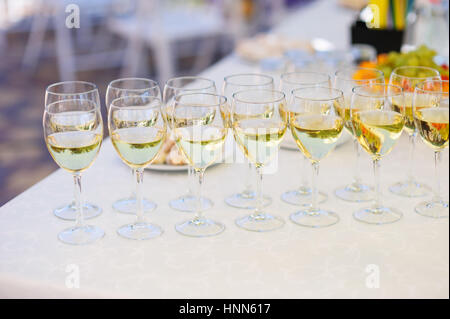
(409, 258)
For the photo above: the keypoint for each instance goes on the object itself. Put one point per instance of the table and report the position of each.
(409, 258)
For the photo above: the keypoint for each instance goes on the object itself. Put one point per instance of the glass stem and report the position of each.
(437, 164)
(248, 180)
(78, 200)
(356, 177)
(139, 198)
(133, 175)
(191, 177)
(315, 177)
(376, 173)
(303, 174)
(412, 148)
(198, 213)
(259, 193)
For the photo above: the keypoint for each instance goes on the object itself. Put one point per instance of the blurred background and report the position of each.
(41, 43)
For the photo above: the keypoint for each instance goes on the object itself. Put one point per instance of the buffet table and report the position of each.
(409, 258)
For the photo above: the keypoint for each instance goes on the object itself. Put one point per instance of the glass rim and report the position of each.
(281, 97)
(385, 93)
(188, 77)
(150, 98)
(419, 86)
(49, 106)
(332, 89)
(93, 89)
(222, 99)
(153, 82)
(287, 74)
(380, 73)
(261, 75)
(415, 67)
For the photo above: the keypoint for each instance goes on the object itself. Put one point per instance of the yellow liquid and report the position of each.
(138, 146)
(74, 151)
(378, 131)
(316, 134)
(259, 139)
(432, 124)
(201, 145)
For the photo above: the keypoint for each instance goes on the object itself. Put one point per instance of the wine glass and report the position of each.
(431, 117)
(408, 77)
(345, 80)
(200, 131)
(232, 84)
(174, 87)
(71, 90)
(131, 87)
(259, 125)
(138, 130)
(377, 124)
(289, 82)
(316, 126)
(73, 131)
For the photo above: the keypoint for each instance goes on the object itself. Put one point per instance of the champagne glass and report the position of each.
(131, 87)
(247, 198)
(345, 80)
(200, 131)
(408, 77)
(259, 126)
(71, 90)
(316, 126)
(289, 82)
(74, 145)
(137, 129)
(431, 117)
(378, 124)
(174, 87)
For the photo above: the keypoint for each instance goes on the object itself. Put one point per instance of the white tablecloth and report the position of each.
(409, 258)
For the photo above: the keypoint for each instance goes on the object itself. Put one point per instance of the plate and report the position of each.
(167, 167)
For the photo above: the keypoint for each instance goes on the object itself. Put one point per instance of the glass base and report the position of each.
(81, 235)
(378, 216)
(314, 219)
(188, 203)
(200, 227)
(140, 231)
(355, 192)
(433, 209)
(246, 200)
(260, 223)
(128, 206)
(69, 212)
(410, 189)
(302, 196)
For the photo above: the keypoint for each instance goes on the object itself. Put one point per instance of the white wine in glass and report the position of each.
(345, 80)
(172, 88)
(247, 198)
(74, 148)
(289, 82)
(138, 130)
(131, 87)
(408, 77)
(71, 90)
(200, 131)
(316, 126)
(431, 117)
(377, 126)
(259, 126)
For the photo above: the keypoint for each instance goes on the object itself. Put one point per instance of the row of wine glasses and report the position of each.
(198, 119)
